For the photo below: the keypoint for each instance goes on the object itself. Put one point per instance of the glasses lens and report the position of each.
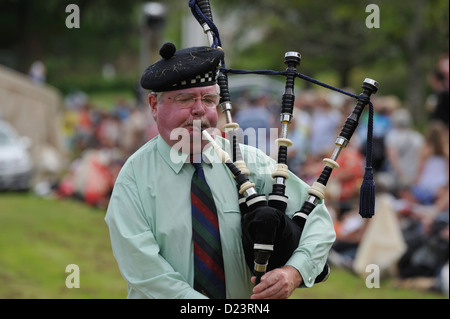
(187, 100)
(210, 100)
(184, 100)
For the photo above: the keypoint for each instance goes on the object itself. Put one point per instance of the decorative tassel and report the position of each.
(367, 195)
(367, 192)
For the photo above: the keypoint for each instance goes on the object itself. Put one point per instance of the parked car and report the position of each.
(15, 160)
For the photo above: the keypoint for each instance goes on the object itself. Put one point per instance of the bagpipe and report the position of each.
(269, 236)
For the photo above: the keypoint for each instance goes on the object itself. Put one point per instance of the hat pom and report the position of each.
(167, 51)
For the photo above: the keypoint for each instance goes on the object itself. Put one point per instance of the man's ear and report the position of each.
(153, 102)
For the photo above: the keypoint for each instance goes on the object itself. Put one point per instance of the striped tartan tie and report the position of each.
(209, 275)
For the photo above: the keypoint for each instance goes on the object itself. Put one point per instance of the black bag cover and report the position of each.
(268, 225)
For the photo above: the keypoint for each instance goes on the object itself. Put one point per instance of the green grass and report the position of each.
(40, 237)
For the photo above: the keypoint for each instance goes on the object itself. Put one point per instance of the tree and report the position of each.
(40, 31)
(332, 35)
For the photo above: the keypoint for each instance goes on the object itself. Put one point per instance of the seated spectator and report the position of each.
(434, 165)
(403, 147)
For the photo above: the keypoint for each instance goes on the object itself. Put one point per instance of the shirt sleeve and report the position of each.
(317, 237)
(134, 246)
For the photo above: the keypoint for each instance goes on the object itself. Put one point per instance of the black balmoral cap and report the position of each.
(182, 69)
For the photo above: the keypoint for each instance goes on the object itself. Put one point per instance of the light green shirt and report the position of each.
(149, 218)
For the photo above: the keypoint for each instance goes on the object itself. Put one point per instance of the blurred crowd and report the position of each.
(409, 235)
(98, 142)
(408, 238)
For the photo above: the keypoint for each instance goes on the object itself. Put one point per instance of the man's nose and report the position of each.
(198, 107)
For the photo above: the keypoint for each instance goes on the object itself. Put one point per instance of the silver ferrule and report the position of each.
(285, 117)
(279, 180)
(372, 82)
(294, 54)
(228, 117)
(313, 200)
(249, 192)
(226, 106)
(260, 267)
(208, 33)
(341, 141)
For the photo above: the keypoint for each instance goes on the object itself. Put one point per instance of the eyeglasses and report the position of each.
(185, 100)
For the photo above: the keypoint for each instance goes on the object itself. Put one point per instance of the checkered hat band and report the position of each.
(199, 80)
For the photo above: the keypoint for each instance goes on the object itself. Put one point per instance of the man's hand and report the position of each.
(277, 284)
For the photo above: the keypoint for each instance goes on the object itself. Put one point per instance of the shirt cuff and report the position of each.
(306, 269)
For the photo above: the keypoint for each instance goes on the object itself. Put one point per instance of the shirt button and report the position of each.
(310, 280)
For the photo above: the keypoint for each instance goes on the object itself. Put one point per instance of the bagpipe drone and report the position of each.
(269, 236)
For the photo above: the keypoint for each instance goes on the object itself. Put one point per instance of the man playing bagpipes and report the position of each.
(174, 216)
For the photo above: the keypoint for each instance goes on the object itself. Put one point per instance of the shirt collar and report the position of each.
(176, 159)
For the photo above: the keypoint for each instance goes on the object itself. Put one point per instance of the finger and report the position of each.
(279, 290)
(269, 285)
(264, 283)
(272, 292)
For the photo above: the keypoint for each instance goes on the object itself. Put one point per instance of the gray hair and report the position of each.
(159, 96)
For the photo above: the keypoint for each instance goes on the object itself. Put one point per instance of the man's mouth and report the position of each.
(197, 125)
